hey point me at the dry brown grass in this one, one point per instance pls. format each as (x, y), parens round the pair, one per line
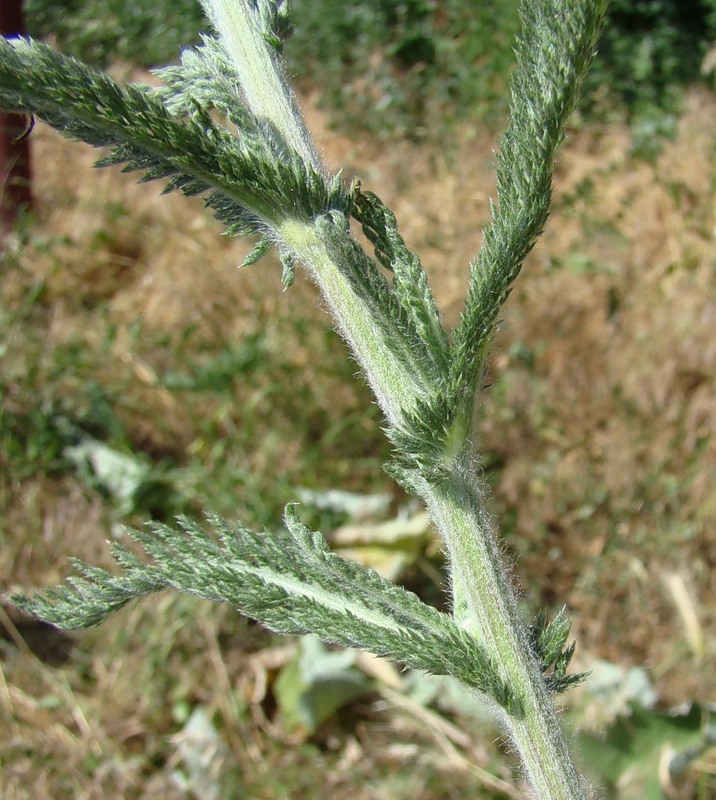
(600, 428)
(607, 438)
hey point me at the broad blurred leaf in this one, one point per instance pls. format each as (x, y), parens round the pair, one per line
(201, 753)
(129, 480)
(316, 684)
(627, 759)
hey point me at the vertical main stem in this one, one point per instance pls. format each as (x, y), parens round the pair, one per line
(486, 605)
(485, 602)
(260, 73)
(394, 385)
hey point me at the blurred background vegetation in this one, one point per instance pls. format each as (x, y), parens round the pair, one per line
(394, 67)
(144, 375)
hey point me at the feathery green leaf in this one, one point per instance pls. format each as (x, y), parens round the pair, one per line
(291, 582)
(257, 253)
(553, 56)
(205, 80)
(382, 303)
(249, 187)
(410, 281)
(548, 640)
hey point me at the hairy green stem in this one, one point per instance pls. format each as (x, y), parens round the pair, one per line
(486, 605)
(270, 98)
(260, 72)
(394, 385)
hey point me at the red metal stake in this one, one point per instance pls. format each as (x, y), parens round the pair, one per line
(15, 176)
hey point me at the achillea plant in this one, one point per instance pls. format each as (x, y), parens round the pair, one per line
(260, 174)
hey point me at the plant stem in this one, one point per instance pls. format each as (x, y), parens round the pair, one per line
(260, 72)
(485, 604)
(270, 98)
(484, 601)
(394, 386)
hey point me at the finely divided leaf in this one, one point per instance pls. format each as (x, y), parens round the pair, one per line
(410, 281)
(292, 583)
(553, 57)
(204, 76)
(248, 183)
(381, 302)
(548, 641)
